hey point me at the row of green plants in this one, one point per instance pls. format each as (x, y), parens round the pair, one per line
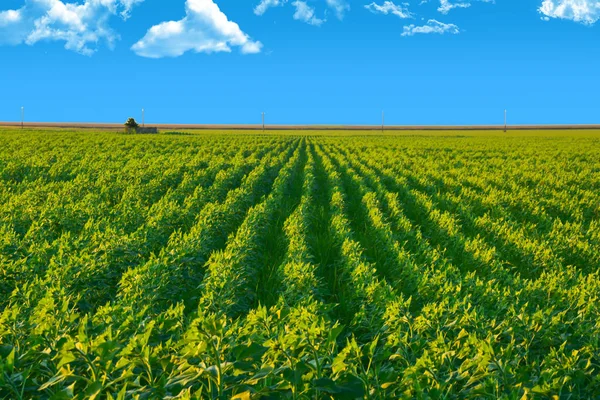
(246, 267)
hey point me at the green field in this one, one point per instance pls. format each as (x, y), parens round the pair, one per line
(301, 265)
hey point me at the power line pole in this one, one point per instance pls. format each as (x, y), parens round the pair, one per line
(143, 118)
(22, 117)
(505, 122)
(382, 120)
(263, 121)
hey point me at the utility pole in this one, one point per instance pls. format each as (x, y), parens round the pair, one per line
(143, 118)
(382, 120)
(505, 122)
(22, 117)
(263, 121)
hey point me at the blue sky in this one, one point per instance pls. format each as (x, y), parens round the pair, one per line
(311, 61)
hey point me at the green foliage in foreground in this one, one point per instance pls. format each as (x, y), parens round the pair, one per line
(265, 266)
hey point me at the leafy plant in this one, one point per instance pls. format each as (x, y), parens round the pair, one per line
(299, 267)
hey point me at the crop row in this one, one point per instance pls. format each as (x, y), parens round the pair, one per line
(294, 267)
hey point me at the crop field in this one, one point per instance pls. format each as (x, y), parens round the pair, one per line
(299, 266)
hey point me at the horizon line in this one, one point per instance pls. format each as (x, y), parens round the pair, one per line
(317, 127)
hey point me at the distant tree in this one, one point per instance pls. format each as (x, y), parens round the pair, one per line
(131, 125)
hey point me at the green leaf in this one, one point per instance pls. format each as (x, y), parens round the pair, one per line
(66, 359)
(334, 333)
(350, 388)
(339, 363)
(373, 346)
(247, 395)
(326, 385)
(93, 390)
(254, 351)
(463, 333)
(53, 381)
(263, 373)
(10, 361)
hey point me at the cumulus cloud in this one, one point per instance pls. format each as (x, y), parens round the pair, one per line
(204, 29)
(9, 17)
(389, 7)
(339, 7)
(583, 11)
(432, 26)
(80, 25)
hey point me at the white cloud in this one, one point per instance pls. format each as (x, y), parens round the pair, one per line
(204, 29)
(264, 5)
(446, 6)
(127, 6)
(339, 6)
(432, 26)
(12, 29)
(303, 11)
(79, 25)
(583, 11)
(389, 7)
(306, 13)
(10, 17)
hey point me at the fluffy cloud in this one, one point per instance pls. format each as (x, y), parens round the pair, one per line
(9, 17)
(204, 29)
(582, 11)
(389, 7)
(432, 26)
(79, 25)
(306, 13)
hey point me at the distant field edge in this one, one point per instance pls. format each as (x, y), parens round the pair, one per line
(110, 126)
